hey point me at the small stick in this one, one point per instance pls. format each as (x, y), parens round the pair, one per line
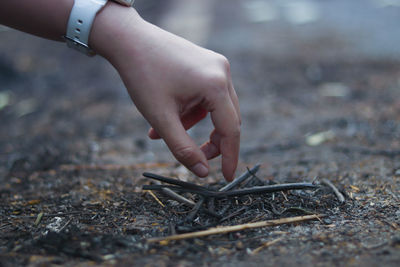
(266, 244)
(284, 195)
(290, 209)
(39, 218)
(339, 195)
(240, 179)
(178, 197)
(195, 210)
(186, 201)
(65, 226)
(156, 198)
(269, 189)
(174, 181)
(116, 226)
(52, 214)
(238, 192)
(5, 225)
(233, 214)
(235, 228)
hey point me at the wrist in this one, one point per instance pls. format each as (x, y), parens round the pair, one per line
(113, 29)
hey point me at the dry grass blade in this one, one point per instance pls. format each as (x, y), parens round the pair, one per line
(38, 218)
(235, 228)
(155, 198)
(266, 244)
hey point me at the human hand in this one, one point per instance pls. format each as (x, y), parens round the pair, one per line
(174, 84)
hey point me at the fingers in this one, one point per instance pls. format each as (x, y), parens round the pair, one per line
(211, 148)
(231, 90)
(188, 120)
(181, 145)
(235, 100)
(227, 125)
(153, 134)
(230, 143)
(222, 102)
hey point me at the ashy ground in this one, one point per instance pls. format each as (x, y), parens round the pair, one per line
(319, 87)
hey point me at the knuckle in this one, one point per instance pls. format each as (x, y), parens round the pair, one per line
(185, 154)
(218, 82)
(225, 63)
(236, 131)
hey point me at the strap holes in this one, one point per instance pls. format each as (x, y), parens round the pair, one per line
(78, 30)
(80, 21)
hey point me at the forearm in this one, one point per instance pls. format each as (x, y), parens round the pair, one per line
(49, 18)
(44, 18)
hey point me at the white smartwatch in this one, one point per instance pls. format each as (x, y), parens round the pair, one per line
(80, 23)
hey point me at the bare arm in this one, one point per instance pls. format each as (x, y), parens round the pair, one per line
(173, 82)
(43, 18)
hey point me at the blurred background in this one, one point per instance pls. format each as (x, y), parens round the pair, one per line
(307, 72)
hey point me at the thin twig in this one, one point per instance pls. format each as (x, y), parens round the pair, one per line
(195, 210)
(186, 201)
(116, 226)
(156, 198)
(65, 226)
(240, 179)
(284, 195)
(178, 197)
(334, 189)
(174, 181)
(52, 214)
(266, 244)
(38, 218)
(238, 192)
(276, 212)
(5, 225)
(233, 214)
(235, 228)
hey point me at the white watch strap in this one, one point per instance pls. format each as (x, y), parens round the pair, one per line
(80, 23)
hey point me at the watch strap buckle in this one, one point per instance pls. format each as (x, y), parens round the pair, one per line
(77, 45)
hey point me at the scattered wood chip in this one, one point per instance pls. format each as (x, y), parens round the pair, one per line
(355, 188)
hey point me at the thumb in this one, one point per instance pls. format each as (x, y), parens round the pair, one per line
(182, 145)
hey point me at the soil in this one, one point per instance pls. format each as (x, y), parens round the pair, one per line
(73, 150)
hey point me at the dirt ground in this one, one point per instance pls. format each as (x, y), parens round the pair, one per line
(73, 149)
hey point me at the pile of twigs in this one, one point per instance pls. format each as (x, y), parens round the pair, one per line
(208, 197)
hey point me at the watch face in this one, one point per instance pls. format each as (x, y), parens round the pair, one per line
(125, 2)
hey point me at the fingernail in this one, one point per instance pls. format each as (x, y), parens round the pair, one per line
(200, 170)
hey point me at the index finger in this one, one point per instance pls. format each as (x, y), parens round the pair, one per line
(227, 124)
